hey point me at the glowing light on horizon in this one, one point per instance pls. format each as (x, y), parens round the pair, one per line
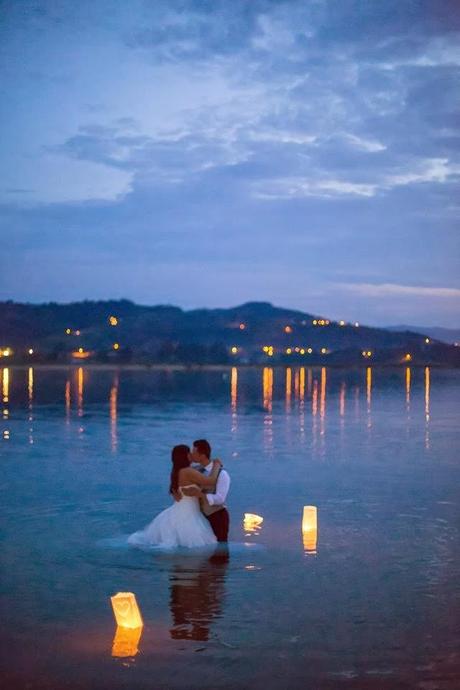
(113, 321)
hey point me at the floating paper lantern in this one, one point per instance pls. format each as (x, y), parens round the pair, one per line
(126, 641)
(310, 528)
(126, 610)
(252, 522)
(310, 518)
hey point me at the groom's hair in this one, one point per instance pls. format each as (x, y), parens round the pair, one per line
(203, 447)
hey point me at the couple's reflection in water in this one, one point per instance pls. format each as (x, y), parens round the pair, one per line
(197, 585)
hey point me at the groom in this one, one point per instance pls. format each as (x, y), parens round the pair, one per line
(212, 504)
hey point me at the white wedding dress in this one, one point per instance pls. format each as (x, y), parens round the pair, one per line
(182, 524)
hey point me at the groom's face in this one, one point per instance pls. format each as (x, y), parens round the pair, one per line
(198, 457)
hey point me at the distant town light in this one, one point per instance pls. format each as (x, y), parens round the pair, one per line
(7, 352)
(408, 357)
(302, 351)
(287, 329)
(297, 349)
(234, 350)
(116, 346)
(289, 351)
(265, 348)
(77, 332)
(31, 352)
(427, 340)
(310, 350)
(68, 331)
(81, 353)
(242, 326)
(341, 323)
(357, 324)
(323, 350)
(366, 353)
(315, 322)
(113, 321)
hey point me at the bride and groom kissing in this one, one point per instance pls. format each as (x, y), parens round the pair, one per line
(198, 516)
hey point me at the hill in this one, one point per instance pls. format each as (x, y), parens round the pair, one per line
(255, 332)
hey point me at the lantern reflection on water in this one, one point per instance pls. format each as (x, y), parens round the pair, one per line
(252, 522)
(126, 641)
(310, 528)
(126, 610)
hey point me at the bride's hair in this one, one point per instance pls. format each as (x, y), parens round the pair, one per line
(179, 459)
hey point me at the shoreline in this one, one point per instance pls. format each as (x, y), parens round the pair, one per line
(216, 367)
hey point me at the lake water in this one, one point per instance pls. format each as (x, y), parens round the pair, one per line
(372, 600)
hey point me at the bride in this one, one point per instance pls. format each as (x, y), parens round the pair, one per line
(183, 523)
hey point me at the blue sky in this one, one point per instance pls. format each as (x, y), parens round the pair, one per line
(206, 153)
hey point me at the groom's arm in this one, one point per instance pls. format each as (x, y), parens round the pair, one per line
(222, 487)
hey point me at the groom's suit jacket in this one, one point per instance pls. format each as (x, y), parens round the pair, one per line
(216, 497)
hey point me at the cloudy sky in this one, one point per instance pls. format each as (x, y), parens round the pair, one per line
(210, 152)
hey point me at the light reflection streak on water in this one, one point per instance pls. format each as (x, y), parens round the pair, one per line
(357, 402)
(80, 389)
(342, 414)
(30, 390)
(427, 408)
(408, 383)
(314, 410)
(296, 384)
(267, 384)
(234, 398)
(309, 381)
(5, 397)
(114, 413)
(322, 403)
(302, 403)
(369, 395)
(67, 401)
(288, 389)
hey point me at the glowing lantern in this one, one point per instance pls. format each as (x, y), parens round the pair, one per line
(310, 528)
(126, 610)
(252, 522)
(125, 642)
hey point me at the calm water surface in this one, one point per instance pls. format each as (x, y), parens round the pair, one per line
(374, 603)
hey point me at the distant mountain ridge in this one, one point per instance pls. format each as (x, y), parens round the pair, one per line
(254, 332)
(445, 335)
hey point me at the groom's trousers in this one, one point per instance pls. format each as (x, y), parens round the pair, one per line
(220, 522)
